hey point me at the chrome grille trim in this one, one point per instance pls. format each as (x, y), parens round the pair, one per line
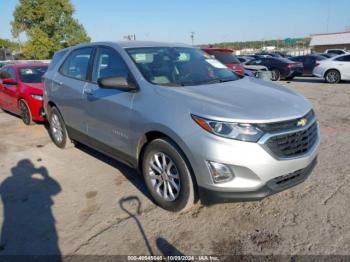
(311, 131)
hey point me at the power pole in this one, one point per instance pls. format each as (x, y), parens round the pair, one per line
(192, 37)
(328, 15)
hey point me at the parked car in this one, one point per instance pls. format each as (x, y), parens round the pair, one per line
(21, 91)
(329, 55)
(257, 71)
(334, 70)
(309, 62)
(281, 68)
(225, 56)
(189, 124)
(336, 51)
(245, 59)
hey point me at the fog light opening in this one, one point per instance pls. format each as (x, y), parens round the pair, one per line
(220, 172)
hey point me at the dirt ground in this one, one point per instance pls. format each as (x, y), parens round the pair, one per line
(78, 201)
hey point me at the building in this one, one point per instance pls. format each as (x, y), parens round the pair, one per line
(321, 42)
(5, 54)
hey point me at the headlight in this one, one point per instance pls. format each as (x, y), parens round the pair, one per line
(37, 97)
(238, 131)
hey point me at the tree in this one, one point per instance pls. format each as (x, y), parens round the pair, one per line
(8, 44)
(49, 26)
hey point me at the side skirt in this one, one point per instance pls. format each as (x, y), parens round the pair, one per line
(102, 147)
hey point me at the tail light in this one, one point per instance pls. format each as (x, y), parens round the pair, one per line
(295, 65)
(317, 64)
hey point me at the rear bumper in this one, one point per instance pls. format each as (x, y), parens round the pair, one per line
(318, 72)
(273, 186)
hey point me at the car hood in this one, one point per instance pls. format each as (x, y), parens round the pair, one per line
(246, 100)
(38, 87)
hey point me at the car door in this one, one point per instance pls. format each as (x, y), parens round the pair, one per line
(67, 88)
(108, 110)
(10, 92)
(309, 64)
(343, 64)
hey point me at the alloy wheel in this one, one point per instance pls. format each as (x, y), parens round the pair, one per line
(56, 128)
(164, 176)
(333, 77)
(25, 114)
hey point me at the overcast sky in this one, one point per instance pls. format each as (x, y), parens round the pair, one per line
(212, 21)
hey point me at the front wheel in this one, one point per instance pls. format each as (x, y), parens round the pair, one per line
(26, 115)
(332, 77)
(58, 131)
(167, 176)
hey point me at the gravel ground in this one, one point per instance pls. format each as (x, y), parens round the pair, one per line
(78, 201)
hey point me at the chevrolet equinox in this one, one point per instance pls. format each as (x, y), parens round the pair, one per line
(191, 126)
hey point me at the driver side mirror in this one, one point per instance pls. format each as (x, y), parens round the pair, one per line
(9, 81)
(121, 83)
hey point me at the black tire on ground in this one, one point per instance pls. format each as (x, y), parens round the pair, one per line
(185, 197)
(332, 76)
(26, 115)
(276, 75)
(57, 130)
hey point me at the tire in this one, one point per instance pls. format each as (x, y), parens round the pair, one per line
(276, 75)
(161, 179)
(332, 76)
(58, 131)
(26, 114)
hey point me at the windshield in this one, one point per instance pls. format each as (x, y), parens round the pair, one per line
(179, 66)
(32, 74)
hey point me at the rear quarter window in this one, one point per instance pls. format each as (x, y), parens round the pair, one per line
(56, 59)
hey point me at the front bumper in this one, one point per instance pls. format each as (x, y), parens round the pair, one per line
(273, 186)
(254, 167)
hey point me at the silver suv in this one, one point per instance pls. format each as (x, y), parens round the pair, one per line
(189, 124)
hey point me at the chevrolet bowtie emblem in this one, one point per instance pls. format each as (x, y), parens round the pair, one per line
(302, 122)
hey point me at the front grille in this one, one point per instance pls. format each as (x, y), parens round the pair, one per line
(293, 144)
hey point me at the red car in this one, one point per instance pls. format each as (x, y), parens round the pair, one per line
(225, 56)
(21, 91)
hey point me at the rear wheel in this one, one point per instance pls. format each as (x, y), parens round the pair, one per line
(333, 76)
(276, 75)
(26, 115)
(58, 131)
(167, 176)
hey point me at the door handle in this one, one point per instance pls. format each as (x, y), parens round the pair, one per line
(88, 92)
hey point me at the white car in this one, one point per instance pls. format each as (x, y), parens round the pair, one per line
(336, 51)
(334, 69)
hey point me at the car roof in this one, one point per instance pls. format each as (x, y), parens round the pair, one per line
(21, 65)
(134, 44)
(217, 49)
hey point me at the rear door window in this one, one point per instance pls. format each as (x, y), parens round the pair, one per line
(77, 64)
(344, 58)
